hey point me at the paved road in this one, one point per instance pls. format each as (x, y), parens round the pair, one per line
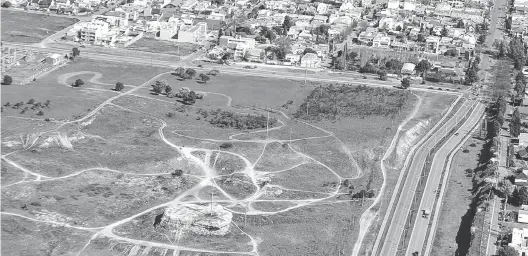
(420, 229)
(388, 245)
(125, 56)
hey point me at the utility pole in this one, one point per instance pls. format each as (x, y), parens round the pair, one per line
(267, 125)
(212, 193)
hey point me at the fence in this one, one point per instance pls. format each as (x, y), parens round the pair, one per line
(44, 70)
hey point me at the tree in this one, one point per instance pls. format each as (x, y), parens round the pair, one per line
(40, 113)
(471, 77)
(444, 32)
(515, 124)
(406, 83)
(421, 38)
(286, 24)
(423, 66)
(159, 86)
(177, 173)
(76, 52)
(119, 86)
(180, 71)
(506, 187)
(213, 72)
(502, 49)
(168, 89)
(191, 72)
(481, 39)
(78, 83)
(189, 97)
(460, 23)
(507, 251)
(6, 4)
(7, 80)
(398, 28)
(308, 50)
(520, 195)
(382, 75)
(204, 78)
(31, 101)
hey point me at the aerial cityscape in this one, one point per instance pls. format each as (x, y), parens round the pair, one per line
(264, 127)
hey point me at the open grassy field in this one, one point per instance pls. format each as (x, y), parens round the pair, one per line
(166, 47)
(26, 27)
(123, 164)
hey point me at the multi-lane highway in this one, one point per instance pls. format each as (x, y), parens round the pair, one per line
(394, 223)
(420, 233)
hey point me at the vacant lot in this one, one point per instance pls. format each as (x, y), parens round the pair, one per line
(166, 47)
(148, 150)
(45, 238)
(26, 27)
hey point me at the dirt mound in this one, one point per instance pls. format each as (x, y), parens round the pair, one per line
(198, 219)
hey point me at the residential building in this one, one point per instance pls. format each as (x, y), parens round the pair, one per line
(310, 60)
(196, 34)
(94, 31)
(169, 30)
(523, 214)
(255, 55)
(54, 59)
(381, 41)
(293, 59)
(408, 69)
(226, 40)
(393, 4)
(432, 43)
(322, 8)
(520, 178)
(519, 240)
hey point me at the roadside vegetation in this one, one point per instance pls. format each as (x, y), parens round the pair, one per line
(487, 180)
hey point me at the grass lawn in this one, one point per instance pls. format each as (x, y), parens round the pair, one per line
(26, 27)
(61, 95)
(457, 198)
(161, 46)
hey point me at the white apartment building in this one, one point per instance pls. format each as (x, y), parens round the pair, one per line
(519, 240)
(310, 60)
(226, 40)
(193, 34)
(94, 31)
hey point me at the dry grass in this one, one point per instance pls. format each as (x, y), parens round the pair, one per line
(16, 232)
(308, 177)
(26, 27)
(95, 198)
(310, 230)
(166, 47)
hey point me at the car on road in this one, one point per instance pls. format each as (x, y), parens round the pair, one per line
(426, 213)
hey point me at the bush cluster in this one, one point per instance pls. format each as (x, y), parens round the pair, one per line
(348, 101)
(227, 119)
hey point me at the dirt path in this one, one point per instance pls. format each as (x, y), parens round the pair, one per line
(369, 215)
(210, 173)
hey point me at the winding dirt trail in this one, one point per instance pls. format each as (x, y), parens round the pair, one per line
(369, 215)
(210, 173)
